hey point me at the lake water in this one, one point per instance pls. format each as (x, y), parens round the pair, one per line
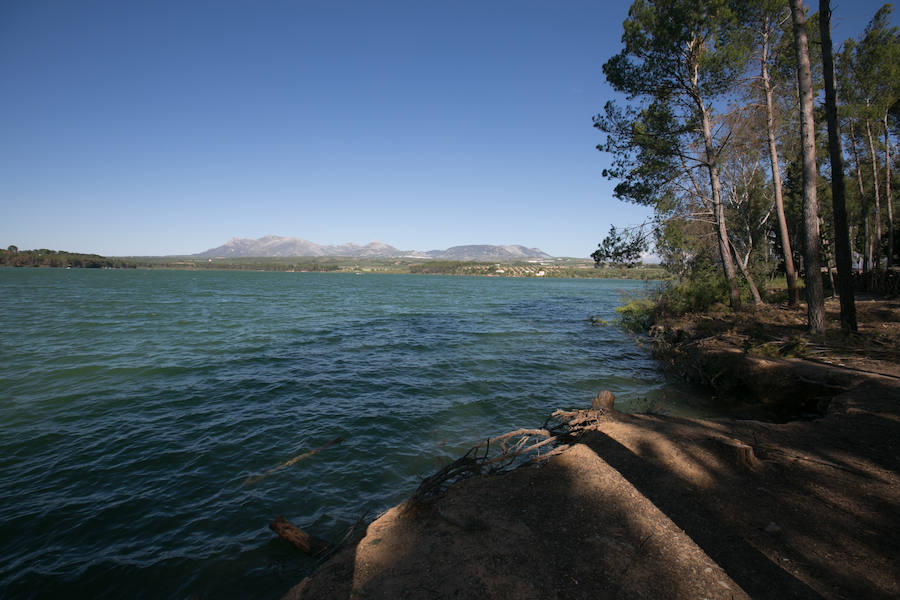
(134, 405)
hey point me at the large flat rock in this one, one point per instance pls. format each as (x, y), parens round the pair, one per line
(573, 528)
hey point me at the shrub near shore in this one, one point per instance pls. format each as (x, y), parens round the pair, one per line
(701, 292)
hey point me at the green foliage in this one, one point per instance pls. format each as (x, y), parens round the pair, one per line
(706, 290)
(698, 294)
(658, 33)
(683, 243)
(874, 67)
(680, 59)
(620, 248)
(13, 257)
(453, 267)
(638, 315)
(680, 64)
(678, 54)
(703, 289)
(644, 149)
(795, 347)
(767, 350)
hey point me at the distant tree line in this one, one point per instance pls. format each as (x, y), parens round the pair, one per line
(452, 267)
(241, 264)
(740, 126)
(13, 257)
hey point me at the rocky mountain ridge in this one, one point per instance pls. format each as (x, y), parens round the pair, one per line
(274, 245)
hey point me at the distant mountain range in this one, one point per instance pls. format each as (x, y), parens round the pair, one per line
(274, 245)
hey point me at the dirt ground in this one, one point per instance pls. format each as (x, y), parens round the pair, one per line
(779, 331)
(654, 506)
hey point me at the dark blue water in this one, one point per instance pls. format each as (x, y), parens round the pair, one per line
(136, 404)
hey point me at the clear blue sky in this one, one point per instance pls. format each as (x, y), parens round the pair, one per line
(157, 127)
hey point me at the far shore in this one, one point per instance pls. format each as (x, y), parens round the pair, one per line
(554, 268)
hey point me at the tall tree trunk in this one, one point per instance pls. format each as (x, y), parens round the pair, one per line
(815, 294)
(842, 257)
(888, 193)
(791, 273)
(863, 204)
(877, 253)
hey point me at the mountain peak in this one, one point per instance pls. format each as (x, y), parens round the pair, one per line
(279, 246)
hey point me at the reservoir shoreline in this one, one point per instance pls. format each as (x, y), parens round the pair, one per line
(718, 508)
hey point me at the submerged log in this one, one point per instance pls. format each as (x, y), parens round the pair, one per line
(253, 479)
(298, 538)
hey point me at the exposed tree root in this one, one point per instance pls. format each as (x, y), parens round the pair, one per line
(511, 450)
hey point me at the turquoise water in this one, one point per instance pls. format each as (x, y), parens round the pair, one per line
(135, 405)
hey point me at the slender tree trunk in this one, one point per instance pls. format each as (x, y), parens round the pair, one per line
(863, 204)
(877, 253)
(888, 193)
(719, 210)
(790, 272)
(716, 187)
(830, 277)
(867, 261)
(842, 256)
(815, 295)
(745, 271)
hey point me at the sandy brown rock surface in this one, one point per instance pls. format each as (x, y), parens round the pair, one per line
(574, 528)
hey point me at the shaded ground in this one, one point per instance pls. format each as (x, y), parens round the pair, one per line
(779, 331)
(653, 506)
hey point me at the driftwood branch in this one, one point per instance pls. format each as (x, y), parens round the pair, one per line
(512, 450)
(571, 424)
(478, 460)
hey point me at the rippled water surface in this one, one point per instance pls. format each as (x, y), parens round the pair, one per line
(134, 405)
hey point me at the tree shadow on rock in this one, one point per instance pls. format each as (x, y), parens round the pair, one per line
(573, 528)
(817, 517)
